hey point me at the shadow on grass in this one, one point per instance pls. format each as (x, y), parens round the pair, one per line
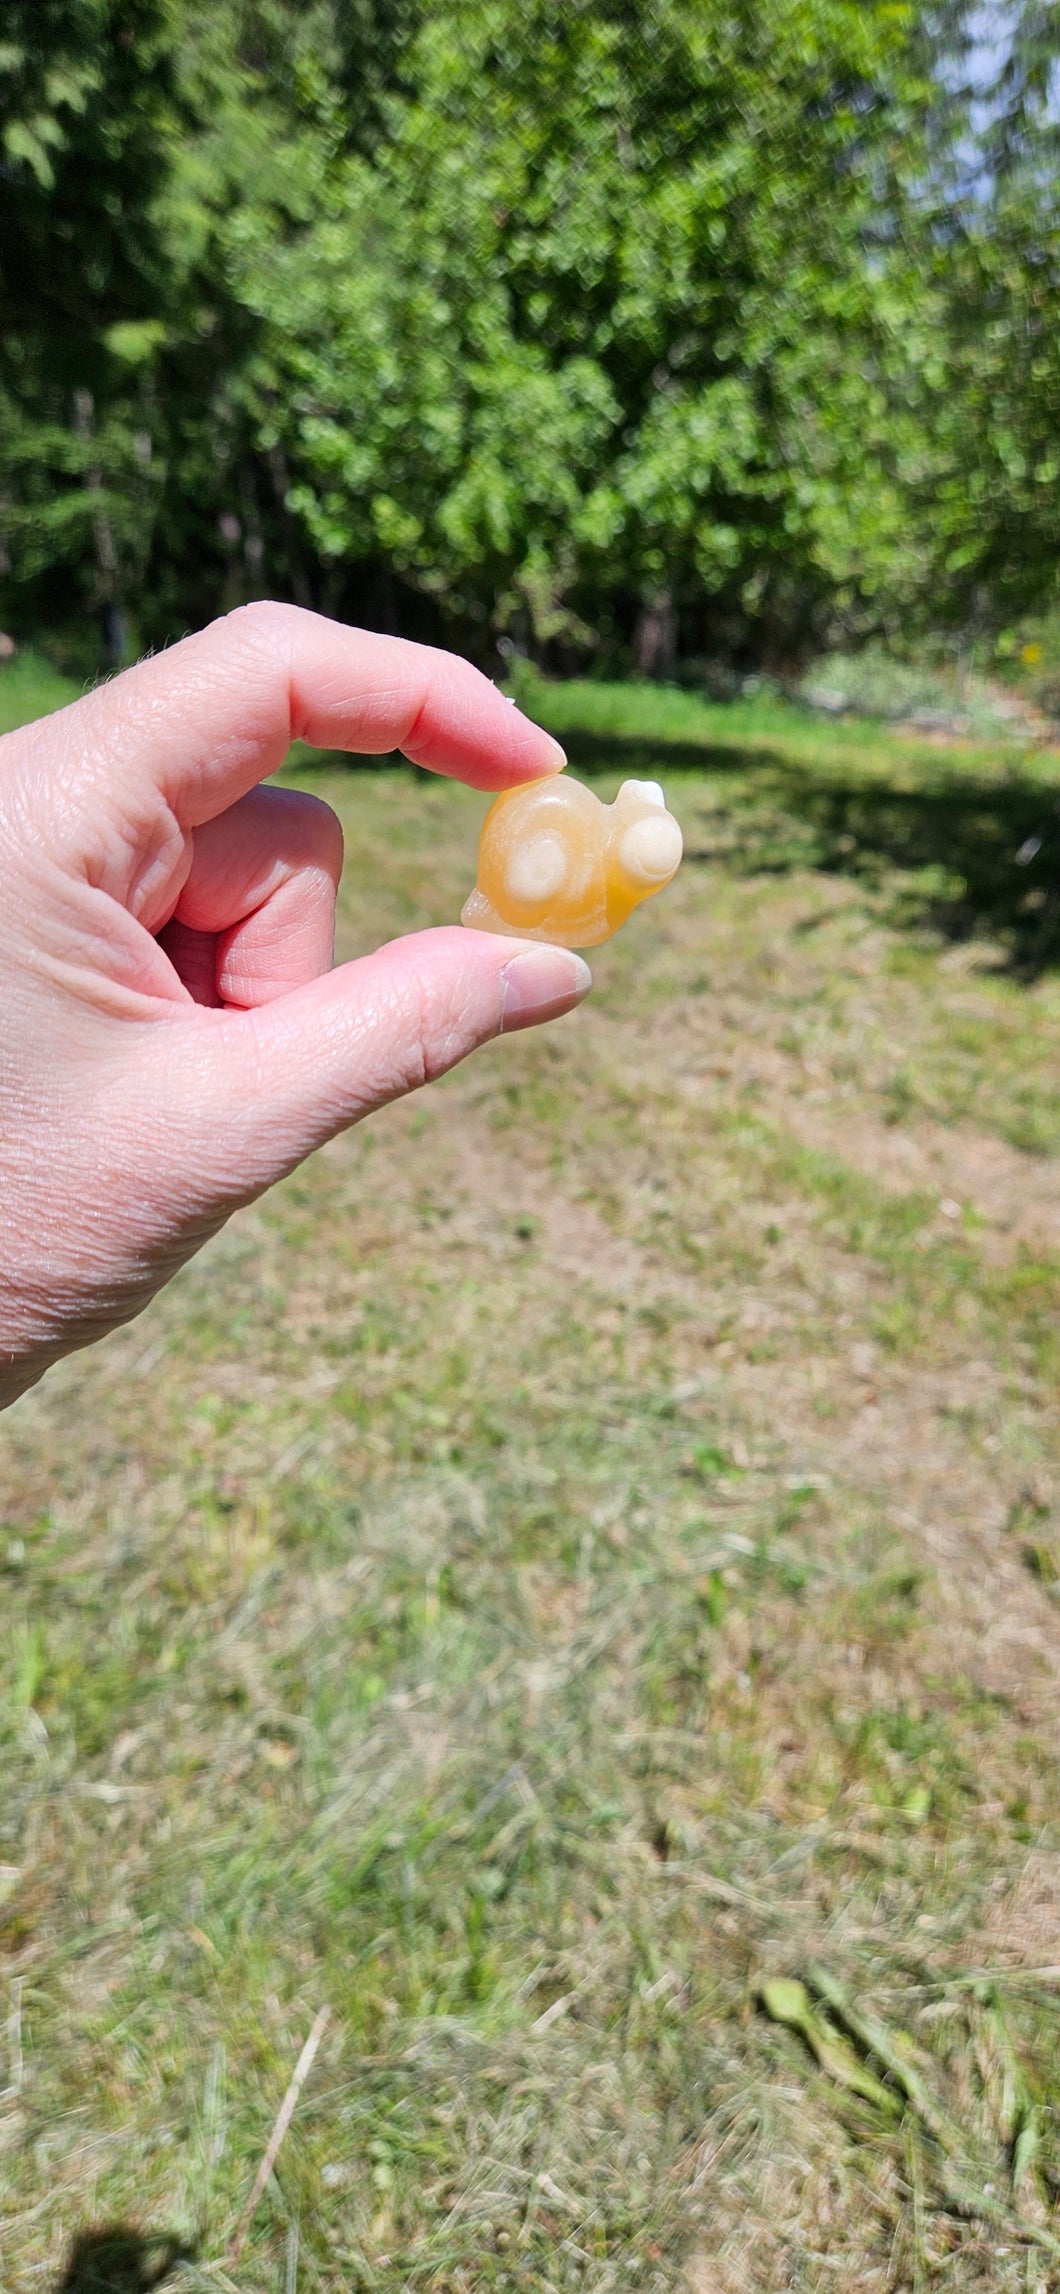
(976, 859)
(119, 2260)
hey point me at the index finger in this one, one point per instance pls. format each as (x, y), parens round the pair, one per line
(200, 725)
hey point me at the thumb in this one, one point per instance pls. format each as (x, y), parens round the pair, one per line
(260, 1089)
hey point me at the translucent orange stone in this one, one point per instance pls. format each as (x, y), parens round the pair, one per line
(554, 863)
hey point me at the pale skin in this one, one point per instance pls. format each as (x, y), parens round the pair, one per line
(173, 1038)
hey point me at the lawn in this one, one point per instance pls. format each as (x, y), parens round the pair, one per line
(569, 1584)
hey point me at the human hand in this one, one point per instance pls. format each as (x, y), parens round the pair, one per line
(172, 1038)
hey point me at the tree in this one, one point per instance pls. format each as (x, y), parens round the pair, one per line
(86, 105)
(131, 133)
(997, 417)
(608, 330)
(625, 327)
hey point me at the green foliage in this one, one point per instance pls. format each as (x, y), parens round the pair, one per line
(601, 324)
(672, 328)
(86, 110)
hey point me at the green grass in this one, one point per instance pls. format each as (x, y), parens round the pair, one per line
(29, 687)
(584, 1548)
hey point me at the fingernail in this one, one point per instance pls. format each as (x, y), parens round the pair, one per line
(557, 757)
(540, 985)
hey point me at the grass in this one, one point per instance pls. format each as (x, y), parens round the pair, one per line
(579, 1556)
(29, 687)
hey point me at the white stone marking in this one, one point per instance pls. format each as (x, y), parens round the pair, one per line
(537, 869)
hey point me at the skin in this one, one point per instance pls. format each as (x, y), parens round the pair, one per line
(173, 1038)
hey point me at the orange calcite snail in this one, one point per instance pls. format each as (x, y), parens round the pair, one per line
(554, 863)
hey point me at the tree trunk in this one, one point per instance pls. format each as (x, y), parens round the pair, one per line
(113, 621)
(253, 538)
(281, 486)
(655, 637)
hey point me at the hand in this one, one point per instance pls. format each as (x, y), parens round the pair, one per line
(172, 1038)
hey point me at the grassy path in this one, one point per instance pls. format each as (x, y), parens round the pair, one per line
(584, 1549)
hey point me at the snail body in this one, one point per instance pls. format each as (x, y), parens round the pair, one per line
(555, 863)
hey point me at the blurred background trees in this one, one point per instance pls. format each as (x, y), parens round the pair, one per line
(613, 329)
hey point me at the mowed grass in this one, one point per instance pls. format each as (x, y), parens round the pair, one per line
(585, 1548)
(29, 687)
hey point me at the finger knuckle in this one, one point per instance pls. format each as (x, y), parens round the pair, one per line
(324, 834)
(433, 1037)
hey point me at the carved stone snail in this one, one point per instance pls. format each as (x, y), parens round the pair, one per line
(554, 863)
